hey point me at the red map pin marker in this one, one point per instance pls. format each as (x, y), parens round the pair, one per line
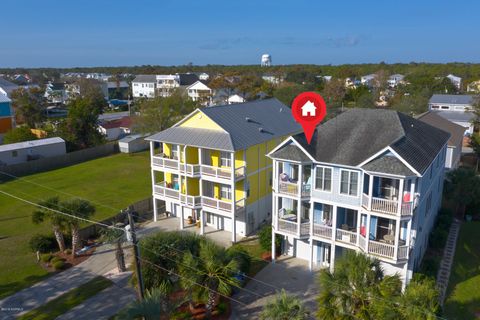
(309, 109)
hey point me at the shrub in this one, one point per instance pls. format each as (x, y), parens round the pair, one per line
(46, 257)
(55, 259)
(58, 265)
(68, 251)
(265, 239)
(430, 266)
(242, 256)
(42, 243)
(438, 238)
(444, 219)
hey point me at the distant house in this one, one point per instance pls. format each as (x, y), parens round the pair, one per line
(395, 79)
(457, 81)
(199, 91)
(6, 115)
(143, 86)
(455, 108)
(273, 79)
(350, 83)
(203, 76)
(56, 93)
(133, 143)
(454, 145)
(20, 152)
(368, 80)
(116, 129)
(236, 98)
(6, 87)
(326, 78)
(474, 87)
(118, 90)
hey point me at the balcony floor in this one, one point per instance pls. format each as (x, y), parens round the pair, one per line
(221, 237)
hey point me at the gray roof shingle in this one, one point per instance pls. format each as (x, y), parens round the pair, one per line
(246, 124)
(357, 134)
(456, 131)
(290, 152)
(451, 99)
(145, 78)
(388, 164)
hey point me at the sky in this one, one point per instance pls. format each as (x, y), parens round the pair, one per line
(92, 33)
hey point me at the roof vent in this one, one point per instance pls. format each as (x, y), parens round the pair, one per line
(281, 109)
(261, 130)
(248, 119)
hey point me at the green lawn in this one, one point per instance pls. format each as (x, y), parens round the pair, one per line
(114, 181)
(463, 300)
(255, 250)
(67, 301)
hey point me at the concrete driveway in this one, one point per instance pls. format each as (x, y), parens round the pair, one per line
(288, 273)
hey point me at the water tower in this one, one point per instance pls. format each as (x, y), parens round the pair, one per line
(266, 60)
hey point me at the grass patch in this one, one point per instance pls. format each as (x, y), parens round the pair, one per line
(463, 299)
(67, 301)
(115, 181)
(255, 250)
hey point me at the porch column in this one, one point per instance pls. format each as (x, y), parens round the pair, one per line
(273, 247)
(359, 217)
(397, 237)
(409, 237)
(274, 212)
(155, 209)
(310, 218)
(334, 224)
(152, 150)
(332, 257)
(153, 195)
(370, 191)
(234, 209)
(202, 222)
(367, 240)
(181, 218)
(400, 197)
(299, 197)
(300, 178)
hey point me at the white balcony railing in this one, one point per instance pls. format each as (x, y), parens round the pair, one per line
(160, 160)
(287, 226)
(346, 236)
(217, 172)
(388, 206)
(305, 228)
(240, 172)
(402, 252)
(221, 205)
(321, 230)
(381, 249)
(162, 190)
(189, 169)
(192, 201)
(362, 242)
(291, 188)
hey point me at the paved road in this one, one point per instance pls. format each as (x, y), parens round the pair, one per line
(289, 273)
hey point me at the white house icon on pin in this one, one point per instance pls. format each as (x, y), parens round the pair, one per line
(308, 109)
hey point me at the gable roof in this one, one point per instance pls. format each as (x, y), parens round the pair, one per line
(187, 79)
(244, 125)
(452, 99)
(358, 134)
(388, 164)
(30, 144)
(7, 84)
(125, 122)
(145, 78)
(456, 131)
(199, 84)
(290, 152)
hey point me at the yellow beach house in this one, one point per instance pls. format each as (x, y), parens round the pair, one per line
(211, 168)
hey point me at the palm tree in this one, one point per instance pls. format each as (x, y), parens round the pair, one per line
(463, 186)
(155, 305)
(356, 289)
(420, 300)
(210, 275)
(284, 307)
(116, 236)
(57, 221)
(79, 208)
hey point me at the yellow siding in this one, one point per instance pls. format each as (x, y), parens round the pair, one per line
(239, 162)
(262, 188)
(215, 158)
(192, 155)
(168, 177)
(167, 149)
(216, 191)
(253, 181)
(239, 192)
(201, 121)
(193, 187)
(252, 159)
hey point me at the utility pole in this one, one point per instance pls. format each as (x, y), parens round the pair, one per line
(141, 287)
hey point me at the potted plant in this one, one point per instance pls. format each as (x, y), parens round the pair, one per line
(190, 220)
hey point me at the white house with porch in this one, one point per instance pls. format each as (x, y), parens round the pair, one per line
(370, 181)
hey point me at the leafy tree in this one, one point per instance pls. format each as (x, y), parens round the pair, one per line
(116, 236)
(29, 105)
(353, 94)
(162, 112)
(463, 186)
(265, 239)
(19, 134)
(366, 100)
(213, 270)
(81, 209)
(411, 104)
(334, 92)
(284, 307)
(286, 93)
(420, 300)
(250, 85)
(56, 220)
(474, 144)
(80, 127)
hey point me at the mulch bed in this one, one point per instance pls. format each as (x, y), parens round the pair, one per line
(198, 312)
(69, 260)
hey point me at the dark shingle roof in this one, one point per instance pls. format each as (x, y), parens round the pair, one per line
(456, 131)
(357, 134)
(7, 84)
(452, 99)
(246, 124)
(388, 164)
(457, 116)
(290, 152)
(187, 79)
(145, 78)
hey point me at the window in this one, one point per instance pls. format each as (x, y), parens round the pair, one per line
(225, 192)
(14, 153)
(349, 182)
(175, 151)
(324, 179)
(225, 160)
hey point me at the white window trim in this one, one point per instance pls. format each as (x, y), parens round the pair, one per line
(331, 179)
(227, 158)
(228, 192)
(340, 183)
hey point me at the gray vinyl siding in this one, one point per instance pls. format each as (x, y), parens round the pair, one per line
(334, 195)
